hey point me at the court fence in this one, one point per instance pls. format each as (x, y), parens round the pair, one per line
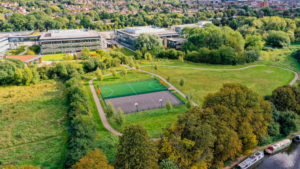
(137, 93)
(131, 81)
(150, 108)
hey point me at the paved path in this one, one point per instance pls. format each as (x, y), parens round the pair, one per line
(100, 109)
(291, 83)
(26, 49)
(109, 128)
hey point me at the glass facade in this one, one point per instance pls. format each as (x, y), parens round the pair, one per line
(23, 39)
(69, 46)
(125, 40)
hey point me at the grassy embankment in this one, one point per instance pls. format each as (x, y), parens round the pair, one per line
(32, 124)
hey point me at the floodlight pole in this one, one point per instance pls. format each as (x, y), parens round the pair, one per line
(137, 108)
(160, 103)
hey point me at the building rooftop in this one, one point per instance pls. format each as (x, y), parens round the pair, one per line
(4, 34)
(136, 31)
(177, 39)
(25, 58)
(199, 24)
(68, 34)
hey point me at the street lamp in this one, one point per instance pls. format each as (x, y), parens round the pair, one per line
(136, 105)
(160, 100)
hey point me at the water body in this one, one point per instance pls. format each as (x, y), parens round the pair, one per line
(288, 158)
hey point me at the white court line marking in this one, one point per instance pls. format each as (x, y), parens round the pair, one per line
(152, 86)
(131, 88)
(112, 92)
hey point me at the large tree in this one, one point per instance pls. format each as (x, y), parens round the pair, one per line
(286, 98)
(147, 40)
(135, 149)
(93, 160)
(240, 113)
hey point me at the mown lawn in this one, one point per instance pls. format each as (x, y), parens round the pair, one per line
(152, 120)
(53, 57)
(261, 79)
(127, 52)
(33, 127)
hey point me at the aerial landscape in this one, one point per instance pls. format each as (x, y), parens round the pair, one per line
(149, 84)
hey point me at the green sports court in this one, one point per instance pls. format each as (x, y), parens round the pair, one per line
(131, 88)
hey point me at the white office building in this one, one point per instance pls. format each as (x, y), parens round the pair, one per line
(4, 44)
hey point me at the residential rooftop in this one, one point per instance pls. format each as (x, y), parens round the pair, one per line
(69, 34)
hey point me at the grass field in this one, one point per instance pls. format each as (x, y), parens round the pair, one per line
(262, 79)
(55, 57)
(131, 88)
(32, 124)
(152, 120)
(127, 52)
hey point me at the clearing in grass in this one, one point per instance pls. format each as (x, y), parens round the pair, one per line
(32, 125)
(131, 88)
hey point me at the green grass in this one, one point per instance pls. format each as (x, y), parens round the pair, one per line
(21, 49)
(53, 57)
(131, 88)
(262, 79)
(35, 48)
(32, 124)
(152, 120)
(172, 62)
(127, 52)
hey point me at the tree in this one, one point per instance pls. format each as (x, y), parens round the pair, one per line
(254, 42)
(75, 57)
(287, 122)
(274, 129)
(137, 66)
(99, 74)
(94, 159)
(182, 81)
(138, 54)
(110, 110)
(147, 40)
(135, 149)
(124, 72)
(168, 164)
(278, 39)
(27, 76)
(286, 98)
(18, 76)
(85, 53)
(22, 167)
(155, 67)
(189, 103)
(147, 56)
(119, 117)
(35, 76)
(168, 105)
(114, 73)
(240, 113)
(131, 63)
(82, 134)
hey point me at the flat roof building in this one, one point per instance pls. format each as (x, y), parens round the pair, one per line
(4, 44)
(126, 36)
(178, 28)
(69, 41)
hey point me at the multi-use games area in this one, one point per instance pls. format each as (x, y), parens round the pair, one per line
(138, 96)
